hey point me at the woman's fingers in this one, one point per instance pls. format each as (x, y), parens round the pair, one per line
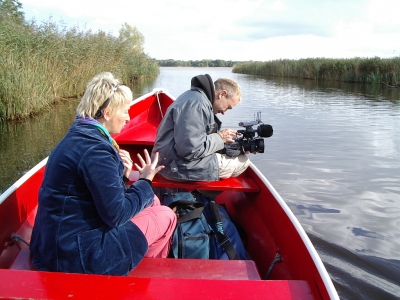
(147, 156)
(148, 168)
(126, 161)
(142, 162)
(155, 161)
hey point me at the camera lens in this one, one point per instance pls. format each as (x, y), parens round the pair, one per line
(260, 145)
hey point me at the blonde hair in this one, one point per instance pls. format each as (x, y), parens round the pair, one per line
(103, 87)
(231, 86)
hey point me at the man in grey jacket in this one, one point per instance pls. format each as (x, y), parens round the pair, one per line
(189, 135)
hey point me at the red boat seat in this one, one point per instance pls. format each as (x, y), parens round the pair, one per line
(174, 268)
(237, 184)
(196, 269)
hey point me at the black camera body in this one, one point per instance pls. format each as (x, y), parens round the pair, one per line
(248, 141)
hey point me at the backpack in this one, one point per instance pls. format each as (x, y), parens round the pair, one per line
(204, 229)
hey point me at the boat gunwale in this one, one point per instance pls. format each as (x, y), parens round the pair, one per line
(300, 230)
(155, 91)
(22, 180)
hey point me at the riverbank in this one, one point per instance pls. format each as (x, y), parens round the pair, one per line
(364, 70)
(43, 64)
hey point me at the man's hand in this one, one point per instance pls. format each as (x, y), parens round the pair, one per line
(228, 135)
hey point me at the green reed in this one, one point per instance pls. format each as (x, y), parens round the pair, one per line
(42, 64)
(373, 70)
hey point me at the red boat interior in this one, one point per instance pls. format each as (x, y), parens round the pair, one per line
(267, 231)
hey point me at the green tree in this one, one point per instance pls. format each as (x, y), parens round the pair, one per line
(12, 9)
(132, 36)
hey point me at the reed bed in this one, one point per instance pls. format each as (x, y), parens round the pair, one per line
(42, 64)
(373, 70)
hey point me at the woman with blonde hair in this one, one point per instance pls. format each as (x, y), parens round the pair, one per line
(88, 221)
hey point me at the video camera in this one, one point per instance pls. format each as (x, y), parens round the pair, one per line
(248, 141)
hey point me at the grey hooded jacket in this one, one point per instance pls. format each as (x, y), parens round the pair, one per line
(187, 137)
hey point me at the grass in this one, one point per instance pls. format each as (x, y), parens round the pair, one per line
(368, 70)
(43, 64)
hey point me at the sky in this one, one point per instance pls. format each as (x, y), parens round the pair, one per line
(239, 30)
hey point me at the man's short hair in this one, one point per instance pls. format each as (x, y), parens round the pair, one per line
(231, 86)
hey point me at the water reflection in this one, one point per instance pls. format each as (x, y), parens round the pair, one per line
(308, 211)
(357, 275)
(25, 143)
(375, 92)
(366, 233)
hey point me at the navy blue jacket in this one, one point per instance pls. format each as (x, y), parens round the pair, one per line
(83, 219)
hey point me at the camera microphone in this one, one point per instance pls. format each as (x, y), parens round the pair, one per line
(265, 130)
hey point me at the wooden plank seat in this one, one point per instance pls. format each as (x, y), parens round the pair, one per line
(237, 184)
(174, 268)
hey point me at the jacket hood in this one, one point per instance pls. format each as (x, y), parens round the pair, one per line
(205, 83)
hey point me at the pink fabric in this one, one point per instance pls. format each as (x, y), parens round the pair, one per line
(157, 222)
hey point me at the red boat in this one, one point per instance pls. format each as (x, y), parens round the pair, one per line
(284, 264)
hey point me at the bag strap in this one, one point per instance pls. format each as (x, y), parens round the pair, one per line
(220, 234)
(196, 207)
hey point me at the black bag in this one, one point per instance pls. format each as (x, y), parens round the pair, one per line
(204, 229)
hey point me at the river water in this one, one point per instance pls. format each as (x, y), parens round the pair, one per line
(334, 158)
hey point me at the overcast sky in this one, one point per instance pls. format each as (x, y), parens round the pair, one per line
(239, 30)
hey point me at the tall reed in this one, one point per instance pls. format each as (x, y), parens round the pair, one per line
(41, 64)
(370, 70)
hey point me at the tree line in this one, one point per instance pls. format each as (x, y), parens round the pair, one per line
(204, 63)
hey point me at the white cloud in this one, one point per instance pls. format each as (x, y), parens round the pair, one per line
(240, 29)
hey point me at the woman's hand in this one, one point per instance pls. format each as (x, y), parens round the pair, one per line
(148, 168)
(127, 162)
